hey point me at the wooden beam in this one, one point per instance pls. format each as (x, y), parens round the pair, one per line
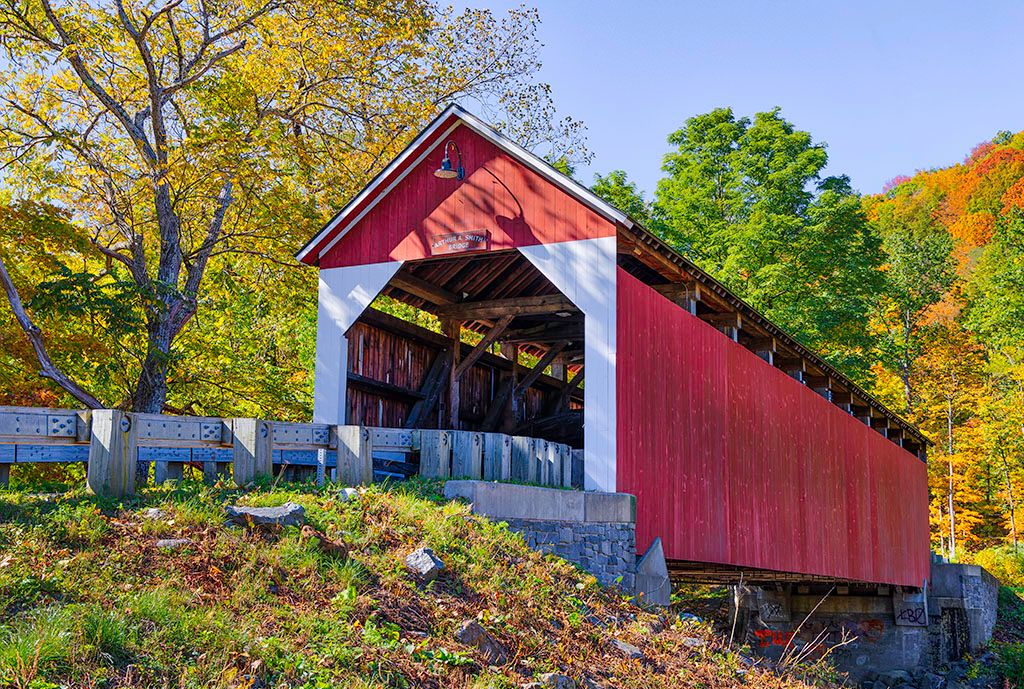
(723, 320)
(382, 388)
(521, 306)
(419, 287)
(548, 332)
(430, 389)
(686, 294)
(481, 347)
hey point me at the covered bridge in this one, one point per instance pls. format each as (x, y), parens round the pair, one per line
(538, 309)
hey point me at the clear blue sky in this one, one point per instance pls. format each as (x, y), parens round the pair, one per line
(892, 87)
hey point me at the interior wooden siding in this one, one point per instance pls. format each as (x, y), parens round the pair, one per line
(394, 358)
(734, 462)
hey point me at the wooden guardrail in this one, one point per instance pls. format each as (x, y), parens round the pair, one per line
(113, 442)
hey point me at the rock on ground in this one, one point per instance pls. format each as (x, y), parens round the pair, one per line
(288, 514)
(628, 650)
(472, 634)
(424, 564)
(173, 543)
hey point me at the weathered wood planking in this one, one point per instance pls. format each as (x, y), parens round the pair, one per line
(161, 430)
(43, 426)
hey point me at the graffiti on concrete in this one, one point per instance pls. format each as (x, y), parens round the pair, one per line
(912, 616)
(771, 637)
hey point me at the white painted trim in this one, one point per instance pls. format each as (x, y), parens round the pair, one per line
(532, 161)
(343, 295)
(584, 271)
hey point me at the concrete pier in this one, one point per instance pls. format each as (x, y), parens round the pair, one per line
(872, 630)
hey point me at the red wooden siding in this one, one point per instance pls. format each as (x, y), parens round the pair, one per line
(499, 194)
(734, 462)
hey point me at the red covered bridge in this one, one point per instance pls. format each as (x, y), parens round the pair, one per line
(746, 451)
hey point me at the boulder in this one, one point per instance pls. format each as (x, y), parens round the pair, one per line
(694, 642)
(472, 634)
(288, 514)
(154, 514)
(894, 678)
(628, 650)
(424, 564)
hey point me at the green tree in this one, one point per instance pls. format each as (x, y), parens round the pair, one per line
(746, 199)
(919, 270)
(616, 189)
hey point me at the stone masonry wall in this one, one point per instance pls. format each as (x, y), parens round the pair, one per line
(606, 550)
(596, 531)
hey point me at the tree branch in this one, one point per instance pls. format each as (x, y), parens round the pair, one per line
(35, 336)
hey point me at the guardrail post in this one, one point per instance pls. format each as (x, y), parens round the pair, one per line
(251, 443)
(467, 454)
(497, 457)
(112, 453)
(355, 455)
(435, 453)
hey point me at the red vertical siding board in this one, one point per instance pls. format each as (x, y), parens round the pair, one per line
(733, 462)
(499, 194)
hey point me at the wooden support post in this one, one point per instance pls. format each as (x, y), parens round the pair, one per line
(251, 443)
(167, 471)
(453, 329)
(497, 457)
(112, 453)
(467, 454)
(435, 454)
(5, 475)
(355, 455)
(566, 394)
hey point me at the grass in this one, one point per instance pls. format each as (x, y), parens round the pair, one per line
(88, 600)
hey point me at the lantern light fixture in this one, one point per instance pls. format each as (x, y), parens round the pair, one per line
(446, 171)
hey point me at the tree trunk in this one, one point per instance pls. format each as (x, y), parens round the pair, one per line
(1009, 499)
(949, 452)
(151, 389)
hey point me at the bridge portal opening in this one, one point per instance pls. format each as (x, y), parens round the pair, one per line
(474, 342)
